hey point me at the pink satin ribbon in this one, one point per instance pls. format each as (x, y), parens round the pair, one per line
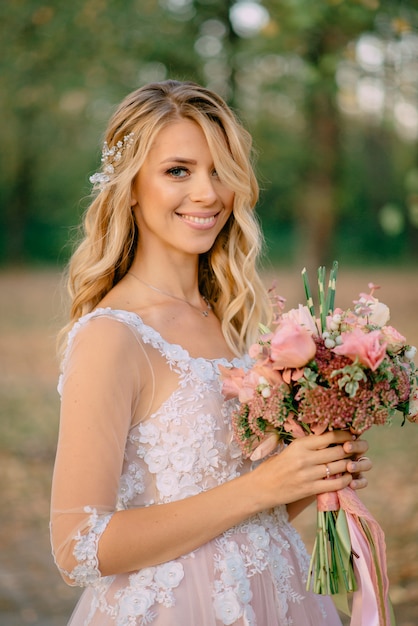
(371, 605)
(328, 501)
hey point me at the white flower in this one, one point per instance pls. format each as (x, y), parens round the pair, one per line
(85, 575)
(259, 538)
(233, 565)
(175, 352)
(169, 575)
(209, 454)
(244, 591)
(188, 486)
(183, 459)
(143, 578)
(167, 483)
(227, 607)
(410, 353)
(136, 603)
(379, 313)
(202, 368)
(85, 549)
(126, 488)
(156, 459)
(149, 433)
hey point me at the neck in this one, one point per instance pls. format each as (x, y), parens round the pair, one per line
(170, 294)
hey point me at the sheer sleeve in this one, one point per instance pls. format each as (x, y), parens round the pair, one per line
(100, 387)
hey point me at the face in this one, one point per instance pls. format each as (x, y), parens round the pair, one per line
(179, 201)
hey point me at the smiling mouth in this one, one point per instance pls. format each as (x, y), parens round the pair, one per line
(198, 220)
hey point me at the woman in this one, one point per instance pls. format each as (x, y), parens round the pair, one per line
(153, 507)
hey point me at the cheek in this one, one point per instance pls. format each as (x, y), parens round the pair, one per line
(228, 200)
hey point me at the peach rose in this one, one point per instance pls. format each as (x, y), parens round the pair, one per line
(232, 381)
(394, 339)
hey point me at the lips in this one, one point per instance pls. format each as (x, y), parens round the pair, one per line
(199, 220)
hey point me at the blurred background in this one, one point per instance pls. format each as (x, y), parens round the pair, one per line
(329, 91)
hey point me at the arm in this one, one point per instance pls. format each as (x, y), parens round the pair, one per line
(100, 390)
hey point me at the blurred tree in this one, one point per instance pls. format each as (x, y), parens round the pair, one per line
(293, 69)
(295, 88)
(61, 68)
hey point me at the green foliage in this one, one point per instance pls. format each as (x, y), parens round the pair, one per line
(64, 66)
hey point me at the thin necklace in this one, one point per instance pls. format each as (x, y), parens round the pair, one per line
(205, 313)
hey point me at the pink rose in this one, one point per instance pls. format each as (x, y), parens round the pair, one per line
(368, 348)
(292, 345)
(303, 317)
(258, 350)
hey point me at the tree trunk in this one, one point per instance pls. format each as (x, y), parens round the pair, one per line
(317, 208)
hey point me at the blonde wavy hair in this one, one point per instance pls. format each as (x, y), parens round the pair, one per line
(228, 274)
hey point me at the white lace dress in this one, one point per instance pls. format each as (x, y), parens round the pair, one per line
(253, 574)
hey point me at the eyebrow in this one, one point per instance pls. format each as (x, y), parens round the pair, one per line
(177, 159)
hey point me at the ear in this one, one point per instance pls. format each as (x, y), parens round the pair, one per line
(134, 200)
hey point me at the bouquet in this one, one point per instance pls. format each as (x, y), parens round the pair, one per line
(335, 370)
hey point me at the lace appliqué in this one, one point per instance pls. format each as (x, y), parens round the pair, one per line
(236, 564)
(85, 550)
(187, 462)
(131, 484)
(148, 586)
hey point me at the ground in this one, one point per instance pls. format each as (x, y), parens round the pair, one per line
(31, 312)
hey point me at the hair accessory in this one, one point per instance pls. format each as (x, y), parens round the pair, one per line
(110, 158)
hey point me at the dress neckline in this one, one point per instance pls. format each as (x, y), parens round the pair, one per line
(135, 317)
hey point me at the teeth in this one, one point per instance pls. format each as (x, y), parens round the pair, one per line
(198, 220)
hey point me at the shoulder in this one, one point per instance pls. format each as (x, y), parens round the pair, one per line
(104, 335)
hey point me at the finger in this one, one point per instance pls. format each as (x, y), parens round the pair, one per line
(359, 482)
(319, 442)
(363, 464)
(330, 470)
(336, 483)
(356, 447)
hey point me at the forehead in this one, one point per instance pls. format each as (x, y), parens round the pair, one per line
(179, 134)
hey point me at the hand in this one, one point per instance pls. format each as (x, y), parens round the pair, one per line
(298, 471)
(359, 463)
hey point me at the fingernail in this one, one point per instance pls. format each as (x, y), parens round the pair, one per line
(256, 455)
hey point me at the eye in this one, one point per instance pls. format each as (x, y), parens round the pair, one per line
(178, 172)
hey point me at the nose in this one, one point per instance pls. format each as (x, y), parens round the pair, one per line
(203, 189)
